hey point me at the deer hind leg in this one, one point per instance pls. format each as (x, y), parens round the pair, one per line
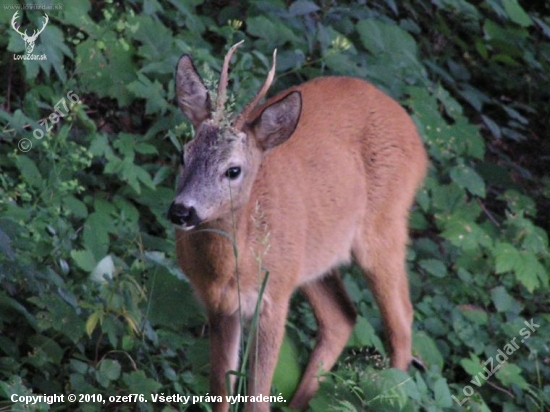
(381, 254)
(335, 314)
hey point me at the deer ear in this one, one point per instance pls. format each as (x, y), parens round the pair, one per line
(278, 121)
(192, 95)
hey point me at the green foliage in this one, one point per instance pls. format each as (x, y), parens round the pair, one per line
(91, 299)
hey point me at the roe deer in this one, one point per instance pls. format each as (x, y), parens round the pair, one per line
(319, 174)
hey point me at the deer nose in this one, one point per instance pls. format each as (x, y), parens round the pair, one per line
(180, 214)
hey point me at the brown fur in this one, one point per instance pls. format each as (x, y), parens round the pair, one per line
(338, 189)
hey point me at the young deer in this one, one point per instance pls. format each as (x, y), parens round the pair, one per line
(319, 174)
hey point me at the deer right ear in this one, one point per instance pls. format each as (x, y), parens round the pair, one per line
(192, 95)
(278, 121)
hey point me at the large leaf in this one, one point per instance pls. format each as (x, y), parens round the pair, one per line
(271, 30)
(425, 348)
(467, 178)
(105, 67)
(363, 334)
(138, 382)
(172, 302)
(394, 50)
(95, 234)
(29, 171)
(516, 13)
(287, 373)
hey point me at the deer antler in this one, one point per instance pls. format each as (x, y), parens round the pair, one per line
(13, 24)
(222, 86)
(239, 122)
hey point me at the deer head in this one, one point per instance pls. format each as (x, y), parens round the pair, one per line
(222, 160)
(29, 40)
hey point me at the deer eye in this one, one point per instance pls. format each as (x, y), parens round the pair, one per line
(233, 172)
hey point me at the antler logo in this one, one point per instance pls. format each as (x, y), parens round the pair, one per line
(29, 40)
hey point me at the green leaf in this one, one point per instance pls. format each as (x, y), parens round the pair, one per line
(502, 300)
(536, 240)
(516, 13)
(5, 245)
(15, 386)
(425, 348)
(507, 257)
(59, 315)
(127, 211)
(519, 203)
(383, 38)
(77, 14)
(287, 373)
(452, 107)
(271, 30)
(467, 139)
(461, 8)
(47, 347)
(301, 7)
(145, 178)
(467, 178)
(525, 264)
(145, 148)
(148, 30)
(137, 382)
(171, 301)
(466, 234)
(476, 315)
(29, 171)
(99, 145)
(106, 73)
(84, 259)
(95, 234)
(472, 365)
(109, 369)
(434, 267)
(386, 390)
(75, 206)
(442, 393)
(152, 92)
(343, 406)
(12, 310)
(448, 198)
(393, 54)
(509, 374)
(531, 273)
(363, 334)
(53, 46)
(130, 174)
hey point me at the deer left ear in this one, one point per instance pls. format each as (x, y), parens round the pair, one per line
(192, 95)
(278, 121)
